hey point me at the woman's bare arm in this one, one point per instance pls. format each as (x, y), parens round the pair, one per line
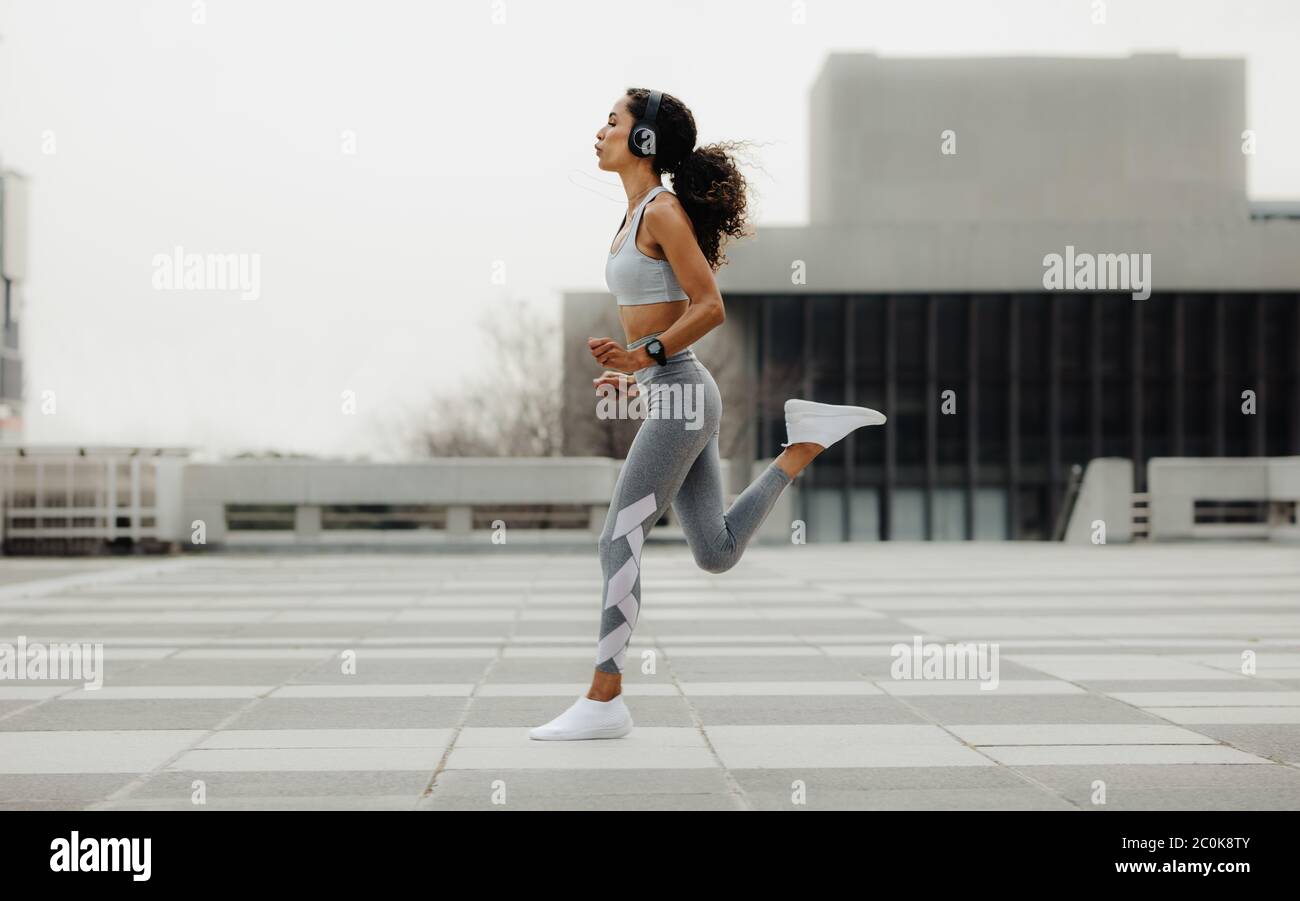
(671, 228)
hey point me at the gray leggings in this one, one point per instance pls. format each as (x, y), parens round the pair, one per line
(673, 460)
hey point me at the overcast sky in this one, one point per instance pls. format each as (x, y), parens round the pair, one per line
(141, 130)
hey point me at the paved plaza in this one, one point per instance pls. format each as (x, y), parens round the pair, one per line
(410, 680)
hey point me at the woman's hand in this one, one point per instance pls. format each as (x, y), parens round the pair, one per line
(620, 380)
(610, 354)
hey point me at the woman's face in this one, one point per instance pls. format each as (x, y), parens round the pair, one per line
(611, 141)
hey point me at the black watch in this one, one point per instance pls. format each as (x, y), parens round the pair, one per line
(655, 348)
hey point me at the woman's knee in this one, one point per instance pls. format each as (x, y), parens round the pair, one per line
(715, 559)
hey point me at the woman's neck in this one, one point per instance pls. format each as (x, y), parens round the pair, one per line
(635, 197)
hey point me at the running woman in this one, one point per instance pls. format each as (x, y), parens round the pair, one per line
(660, 270)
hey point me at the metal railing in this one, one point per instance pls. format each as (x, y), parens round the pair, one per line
(1141, 515)
(82, 500)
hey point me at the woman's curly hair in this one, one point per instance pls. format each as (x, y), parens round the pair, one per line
(706, 180)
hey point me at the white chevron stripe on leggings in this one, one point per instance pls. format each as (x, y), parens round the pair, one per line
(618, 591)
(633, 515)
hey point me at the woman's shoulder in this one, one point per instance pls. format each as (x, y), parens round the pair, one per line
(664, 200)
(668, 220)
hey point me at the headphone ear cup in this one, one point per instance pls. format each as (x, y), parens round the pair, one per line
(642, 139)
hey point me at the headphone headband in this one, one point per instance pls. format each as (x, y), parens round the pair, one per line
(652, 106)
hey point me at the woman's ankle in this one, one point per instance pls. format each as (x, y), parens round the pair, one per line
(795, 458)
(605, 686)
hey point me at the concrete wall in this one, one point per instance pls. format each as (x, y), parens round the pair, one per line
(921, 257)
(1151, 137)
(1175, 483)
(13, 226)
(1133, 155)
(459, 483)
(1106, 494)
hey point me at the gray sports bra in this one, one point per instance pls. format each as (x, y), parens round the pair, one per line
(634, 278)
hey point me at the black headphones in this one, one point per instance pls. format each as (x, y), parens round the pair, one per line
(643, 139)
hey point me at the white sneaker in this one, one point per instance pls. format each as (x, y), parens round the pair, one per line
(825, 424)
(586, 718)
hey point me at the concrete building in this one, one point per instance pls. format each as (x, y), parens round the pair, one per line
(922, 286)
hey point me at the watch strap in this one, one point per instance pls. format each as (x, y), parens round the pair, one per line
(661, 356)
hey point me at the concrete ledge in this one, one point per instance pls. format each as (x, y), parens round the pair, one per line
(1176, 483)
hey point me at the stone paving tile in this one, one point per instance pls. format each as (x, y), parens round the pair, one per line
(1014, 797)
(349, 713)
(1040, 755)
(272, 802)
(1173, 787)
(1228, 715)
(69, 789)
(538, 789)
(179, 784)
(992, 708)
(745, 710)
(147, 715)
(1280, 742)
(76, 751)
(409, 681)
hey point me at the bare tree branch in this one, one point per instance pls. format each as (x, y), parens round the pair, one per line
(514, 411)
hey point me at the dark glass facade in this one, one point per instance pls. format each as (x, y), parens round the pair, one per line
(1040, 382)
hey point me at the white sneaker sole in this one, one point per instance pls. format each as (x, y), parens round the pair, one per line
(583, 734)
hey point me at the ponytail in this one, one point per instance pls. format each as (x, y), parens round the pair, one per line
(711, 189)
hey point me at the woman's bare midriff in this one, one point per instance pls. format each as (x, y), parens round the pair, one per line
(647, 318)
